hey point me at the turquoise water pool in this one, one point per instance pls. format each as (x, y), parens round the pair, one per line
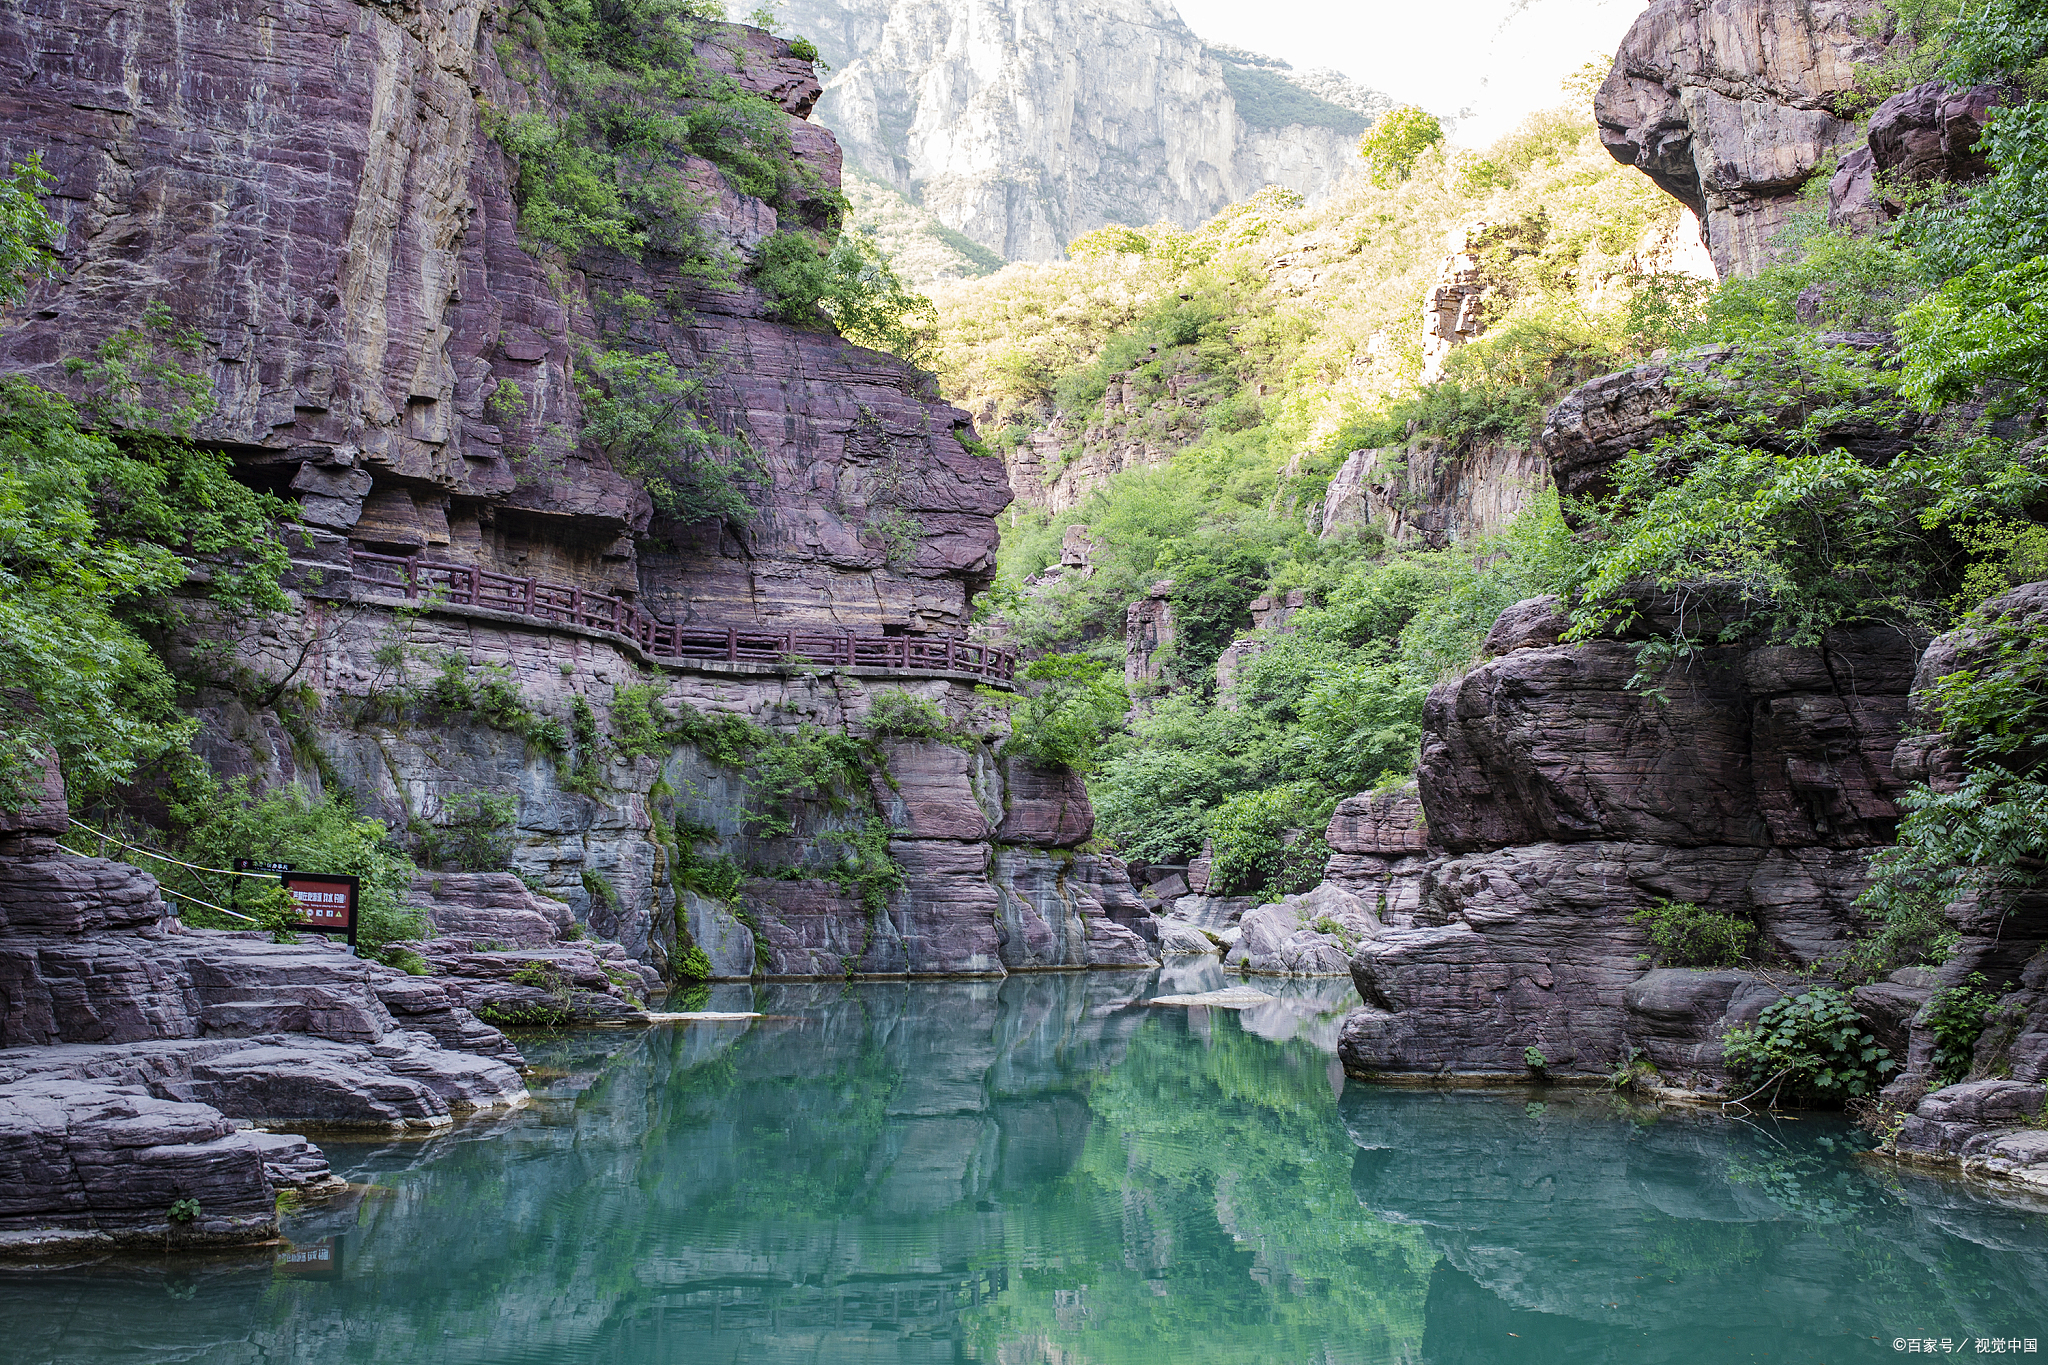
(1048, 1170)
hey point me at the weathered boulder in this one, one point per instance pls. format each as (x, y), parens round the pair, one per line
(1774, 747)
(1888, 1006)
(89, 1165)
(1313, 934)
(932, 789)
(1729, 105)
(1532, 623)
(1433, 493)
(1597, 424)
(1180, 939)
(1068, 910)
(727, 942)
(489, 905)
(1678, 1017)
(1928, 133)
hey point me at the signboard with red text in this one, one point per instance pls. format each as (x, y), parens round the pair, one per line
(326, 903)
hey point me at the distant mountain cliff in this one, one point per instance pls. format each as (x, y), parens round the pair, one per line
(1022, 124)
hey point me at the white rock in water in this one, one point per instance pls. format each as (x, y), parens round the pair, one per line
(1229, 998)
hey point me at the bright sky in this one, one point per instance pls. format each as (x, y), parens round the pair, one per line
(1497, 59)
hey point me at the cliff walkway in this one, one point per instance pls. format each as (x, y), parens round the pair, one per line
(419, 579)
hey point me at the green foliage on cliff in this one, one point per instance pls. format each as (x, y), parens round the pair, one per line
(652, 421)
(1683, 934)
(848, 283)
(624, 101)
(107, 511)
(1068, 704)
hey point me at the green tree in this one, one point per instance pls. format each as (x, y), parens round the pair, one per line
(1396, 140)
(652, 421)
(102, 512)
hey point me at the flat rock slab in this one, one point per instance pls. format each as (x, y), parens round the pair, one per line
(697, 1016)
(1229, 998)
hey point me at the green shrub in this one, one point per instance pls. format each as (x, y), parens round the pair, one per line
(474, 835)
(693, 965)
(850, 284)
(1987, 836)
(1956, 1015)
(1686, 935)
(1813, 1044)
(716, 879)
(1533, 1058)
(865, 869)
(1251, 832)
(1071, 703)
(640, 727)
(104, 508)
(630, 101)
(600, 890)
(212, 825)
(895, 713)
(652, 422)
(1396, 140)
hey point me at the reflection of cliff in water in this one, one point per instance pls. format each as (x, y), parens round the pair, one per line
(1011, 1171)
(1046, 1169)
(1594, 1232)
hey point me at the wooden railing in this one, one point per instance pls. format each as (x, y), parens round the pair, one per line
(466, 585)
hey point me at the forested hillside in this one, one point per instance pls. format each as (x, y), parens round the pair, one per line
(1210, 384)
(1227, 373)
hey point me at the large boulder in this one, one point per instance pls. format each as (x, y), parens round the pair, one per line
(491, 906)
(1378, 846)
(1313, 934)
(1729, 106)
(1927, 133)
(1044, 806)
(1678, 1017)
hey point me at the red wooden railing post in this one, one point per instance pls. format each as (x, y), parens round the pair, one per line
(732, 644)
(412, 577)
(575, 606)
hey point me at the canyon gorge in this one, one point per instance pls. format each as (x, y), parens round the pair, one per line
(671, 638)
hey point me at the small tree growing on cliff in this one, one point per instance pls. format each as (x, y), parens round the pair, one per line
(651, 420)
(1396, 141)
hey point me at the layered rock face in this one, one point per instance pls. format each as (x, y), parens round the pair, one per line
(1024, 126)
(986, 845)
(1556, 795)
(1433, 495)
(1730, 105)
(134, 1056)
(319, 199)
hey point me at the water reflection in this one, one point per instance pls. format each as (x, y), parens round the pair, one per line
(1049, 1170)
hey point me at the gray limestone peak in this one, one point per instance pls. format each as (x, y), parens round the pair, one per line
(1024, 125)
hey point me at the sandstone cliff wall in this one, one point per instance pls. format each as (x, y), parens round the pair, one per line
(318, 197)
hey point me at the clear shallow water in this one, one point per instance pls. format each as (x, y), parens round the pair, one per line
(1043, 1172)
